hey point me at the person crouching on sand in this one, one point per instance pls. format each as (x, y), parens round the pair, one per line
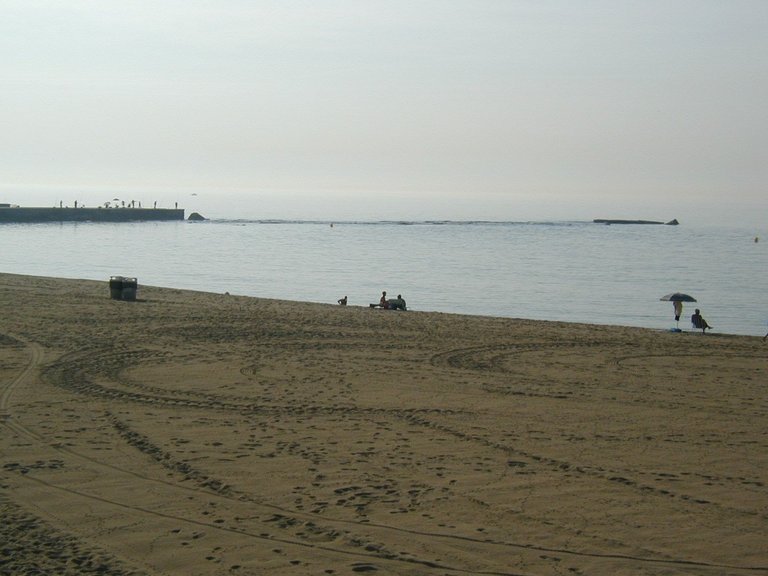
(396, 303)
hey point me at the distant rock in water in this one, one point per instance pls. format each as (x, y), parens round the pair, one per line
(196, 217)
(673, 222)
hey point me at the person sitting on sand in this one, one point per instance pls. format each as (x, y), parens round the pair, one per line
(397, 303)
(698, 321)
(342, 301)
(382, 301)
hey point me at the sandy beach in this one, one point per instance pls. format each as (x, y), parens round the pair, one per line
(190, 433)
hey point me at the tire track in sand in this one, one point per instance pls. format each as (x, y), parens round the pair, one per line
(376, 553)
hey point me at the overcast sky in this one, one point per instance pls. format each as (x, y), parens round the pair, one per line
(506, 109)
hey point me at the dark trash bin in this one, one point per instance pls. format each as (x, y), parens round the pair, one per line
(130, 286)
(116, 287)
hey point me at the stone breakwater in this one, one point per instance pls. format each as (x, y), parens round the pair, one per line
(41, 215)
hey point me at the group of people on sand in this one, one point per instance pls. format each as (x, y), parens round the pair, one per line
(398, 303)
(390, 303)
(384, 302)
(696, 318)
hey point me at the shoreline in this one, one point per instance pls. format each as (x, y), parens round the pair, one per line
(317, 263)
(195, 432)
(143, 287)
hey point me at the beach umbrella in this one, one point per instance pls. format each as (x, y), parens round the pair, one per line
(677, 299)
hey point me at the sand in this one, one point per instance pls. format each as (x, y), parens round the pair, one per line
(195, 433)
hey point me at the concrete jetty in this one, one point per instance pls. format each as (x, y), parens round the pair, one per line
(17, 214)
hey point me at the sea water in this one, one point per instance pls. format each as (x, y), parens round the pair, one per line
(569, 271)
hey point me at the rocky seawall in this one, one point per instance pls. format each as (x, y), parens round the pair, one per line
(41, 215)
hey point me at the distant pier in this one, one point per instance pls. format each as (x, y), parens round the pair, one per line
(16, 214)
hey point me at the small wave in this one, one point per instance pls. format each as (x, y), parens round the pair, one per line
(271, 221)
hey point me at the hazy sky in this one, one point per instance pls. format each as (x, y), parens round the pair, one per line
(506, 109)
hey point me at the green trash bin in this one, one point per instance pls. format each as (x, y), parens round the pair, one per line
(116, 287)
(130, 287)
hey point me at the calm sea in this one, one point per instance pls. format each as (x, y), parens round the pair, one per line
(572, 271)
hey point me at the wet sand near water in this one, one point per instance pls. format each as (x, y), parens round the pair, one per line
(207, 434)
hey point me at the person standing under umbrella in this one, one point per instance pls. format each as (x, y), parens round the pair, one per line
(678, 306)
